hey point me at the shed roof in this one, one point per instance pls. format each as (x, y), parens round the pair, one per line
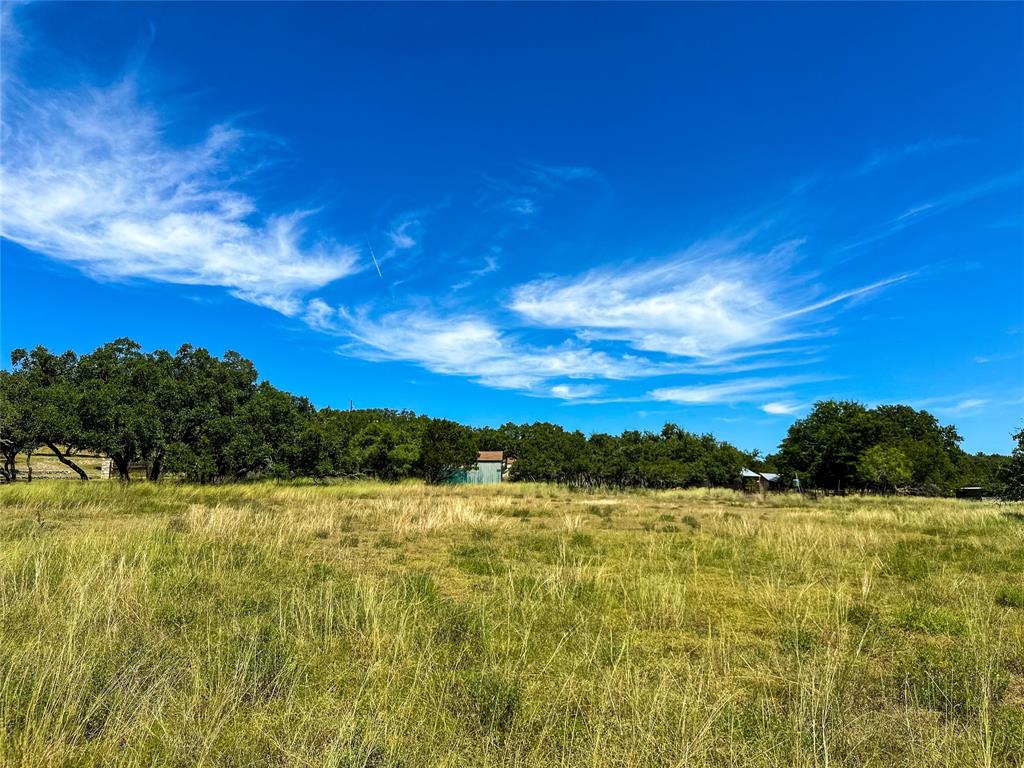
(490, 456)
(771, 477)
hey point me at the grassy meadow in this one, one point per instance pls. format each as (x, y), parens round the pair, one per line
(523, 625)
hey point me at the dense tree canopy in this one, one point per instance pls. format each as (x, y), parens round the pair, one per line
(210, 419)
(1012, 470)
(445, 448)
(844, 445)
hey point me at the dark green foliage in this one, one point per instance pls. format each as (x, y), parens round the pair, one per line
(116, 410)
(1009, 735)
(368, 443)
(478, 560)
(488, 701)
(445, 448)
(672, 458)
(883, 468)
(932, 620)
(17, 433)
(796, 640)
(41, 403)
(205, 418)
(952, 680)
(862, 615)
(844, 446)
(1012, 472)
(210, 419)
(907, 563)
(824, 447)
(1010, 597)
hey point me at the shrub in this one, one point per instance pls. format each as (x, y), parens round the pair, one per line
(1010, 597)
(907, 563)
(931, 620)
(478, 560)
(950, 680)
(861, 615)
(488, 700)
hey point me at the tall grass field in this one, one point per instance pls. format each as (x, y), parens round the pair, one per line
(516, 625)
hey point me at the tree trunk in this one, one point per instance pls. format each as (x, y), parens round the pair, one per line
(66, 461)
(10, 470)
(122, 469)
(156, 467)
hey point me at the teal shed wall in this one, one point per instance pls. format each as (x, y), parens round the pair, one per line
(486, 472)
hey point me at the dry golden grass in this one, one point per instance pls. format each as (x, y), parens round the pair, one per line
(375, 625)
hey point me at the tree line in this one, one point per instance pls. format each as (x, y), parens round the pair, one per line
(210, 419)
(845, 445)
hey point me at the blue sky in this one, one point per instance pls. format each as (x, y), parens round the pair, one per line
(607, 216)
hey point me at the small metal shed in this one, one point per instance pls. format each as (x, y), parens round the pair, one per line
(973, 492)
(762, 481)
(489, 468)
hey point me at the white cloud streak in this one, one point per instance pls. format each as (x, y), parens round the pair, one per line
(556, 175)
(714, 301)
(90, 178)
(882, 158)
(962, 407)
(472, 346)
(736, 391)
(783, 408)
(922, 211)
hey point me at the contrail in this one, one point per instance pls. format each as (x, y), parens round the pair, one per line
(374, 258)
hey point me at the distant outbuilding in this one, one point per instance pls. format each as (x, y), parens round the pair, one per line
(973, 492)
(490, 468)
(759, 481)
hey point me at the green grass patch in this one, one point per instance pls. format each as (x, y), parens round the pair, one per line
(1010, 597)
(362, 624)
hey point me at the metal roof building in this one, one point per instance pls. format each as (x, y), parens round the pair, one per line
(490, 466)
(763, 480)
(771, 477)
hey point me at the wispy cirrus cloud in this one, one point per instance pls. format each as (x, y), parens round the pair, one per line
(735, 391)
(401, 234)
(406, 230)
(557, 175)
(523, 206)
(964, 403)
(320, 316)
(575, 391)
(522, 193)
(91, 179)
(885, 157)
(721, 308)
(491, 263)
(988, 359)
(952, 405)
(938, 205)
(959, 197)
(474, 347)
(963, 406)
(784, 408)
(718, 300)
